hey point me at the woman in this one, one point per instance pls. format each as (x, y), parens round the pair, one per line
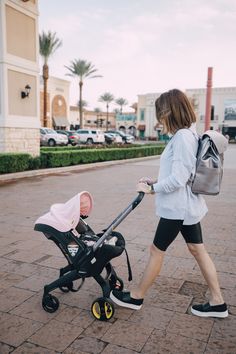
(178, 208)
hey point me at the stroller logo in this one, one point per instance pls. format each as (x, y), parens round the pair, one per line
(73, 249)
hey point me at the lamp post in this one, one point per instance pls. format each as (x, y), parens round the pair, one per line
(208, 99)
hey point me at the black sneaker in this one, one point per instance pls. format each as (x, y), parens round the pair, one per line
(122, 298)
(207, 310)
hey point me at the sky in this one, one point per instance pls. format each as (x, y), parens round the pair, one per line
(142, 46)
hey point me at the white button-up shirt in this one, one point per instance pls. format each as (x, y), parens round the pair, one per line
(174, 198)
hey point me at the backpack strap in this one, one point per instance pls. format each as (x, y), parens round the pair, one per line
(218, 139)
(130, 277)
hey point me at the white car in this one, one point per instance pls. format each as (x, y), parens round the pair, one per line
(117, 138)
(49, 137)
(89, 136)
(127, 138)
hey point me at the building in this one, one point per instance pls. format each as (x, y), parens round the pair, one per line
(146, 118)
(58, 96)
(223, 110)
(127, 122)
(91, 119)
(19, 76)
(223, 107)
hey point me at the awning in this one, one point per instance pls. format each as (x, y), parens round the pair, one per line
(61, 121)
(141, 127)
(158, 126)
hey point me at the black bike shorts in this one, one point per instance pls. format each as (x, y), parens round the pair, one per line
(167, 231)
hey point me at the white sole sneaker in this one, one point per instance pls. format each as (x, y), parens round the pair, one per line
(217, 314)
(124, 304)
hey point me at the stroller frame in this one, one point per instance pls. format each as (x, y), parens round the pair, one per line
(84, 262)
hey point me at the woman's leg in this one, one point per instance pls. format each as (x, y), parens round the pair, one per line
(151, 271)
(208, 270)
(166, 232)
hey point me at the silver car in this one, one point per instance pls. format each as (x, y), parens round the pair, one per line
(49, 137)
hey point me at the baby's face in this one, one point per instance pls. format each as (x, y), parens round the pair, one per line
(84, 205)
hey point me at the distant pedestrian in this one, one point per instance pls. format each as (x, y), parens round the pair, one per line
(178, 208)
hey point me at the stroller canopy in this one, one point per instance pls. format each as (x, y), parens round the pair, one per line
(64, 217)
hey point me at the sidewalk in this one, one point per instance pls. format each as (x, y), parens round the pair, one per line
(28, 261)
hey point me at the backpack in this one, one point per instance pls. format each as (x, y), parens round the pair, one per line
(209, 165)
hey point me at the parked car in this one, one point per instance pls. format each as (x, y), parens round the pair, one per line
(229, 133)
(127, 138)
(49, 137)
(89, 136)
(117, 139)
(109, 138)
(73, 137)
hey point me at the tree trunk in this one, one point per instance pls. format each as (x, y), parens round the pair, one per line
(80, 105)
(45, 94)
(107, 117)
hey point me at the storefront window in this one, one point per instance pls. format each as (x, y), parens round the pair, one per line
(142, 114)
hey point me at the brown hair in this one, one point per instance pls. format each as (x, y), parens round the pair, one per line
(174, 111)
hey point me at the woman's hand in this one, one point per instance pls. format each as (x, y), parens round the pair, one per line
(145, 188)
(148, 180)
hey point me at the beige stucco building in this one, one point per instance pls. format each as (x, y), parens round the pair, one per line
(91, 119)
(19, 73)
(223, 98)
(58, 96)
(146, 120)
(223, 101)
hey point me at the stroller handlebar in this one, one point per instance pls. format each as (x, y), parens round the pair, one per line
(118, 220)
(138, 199)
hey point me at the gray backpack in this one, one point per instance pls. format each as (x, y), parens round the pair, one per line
(209, 166)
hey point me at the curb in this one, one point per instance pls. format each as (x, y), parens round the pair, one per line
(79, 168)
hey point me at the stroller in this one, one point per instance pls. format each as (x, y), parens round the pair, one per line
(87, 253)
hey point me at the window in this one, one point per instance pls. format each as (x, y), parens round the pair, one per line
(142, 114)
(212, 112)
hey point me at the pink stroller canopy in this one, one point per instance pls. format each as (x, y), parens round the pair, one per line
(64, 217)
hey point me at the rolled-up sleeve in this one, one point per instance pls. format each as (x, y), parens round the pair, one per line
(183, 163)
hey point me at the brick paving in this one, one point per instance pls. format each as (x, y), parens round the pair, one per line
(164, 325)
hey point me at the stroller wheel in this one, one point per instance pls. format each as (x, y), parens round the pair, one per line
(116, 283)
(50, 303)
(102, 309)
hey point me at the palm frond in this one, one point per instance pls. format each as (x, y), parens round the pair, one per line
(48, 44)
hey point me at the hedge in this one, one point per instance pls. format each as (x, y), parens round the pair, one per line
(16, 162)
(76, 157)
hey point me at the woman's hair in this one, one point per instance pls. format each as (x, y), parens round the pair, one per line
(174, 111)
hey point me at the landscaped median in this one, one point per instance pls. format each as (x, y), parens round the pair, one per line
(60, 157)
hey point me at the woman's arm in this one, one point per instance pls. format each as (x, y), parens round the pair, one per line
(183, 163)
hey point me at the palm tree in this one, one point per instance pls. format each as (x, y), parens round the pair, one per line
(134, 106)
(121, 102)
(83, 70)
(107, 98)
(84, 104)
(98, 111)
(48, 44)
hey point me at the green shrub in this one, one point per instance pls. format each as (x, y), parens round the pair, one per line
(34, 163)
(14, 162)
